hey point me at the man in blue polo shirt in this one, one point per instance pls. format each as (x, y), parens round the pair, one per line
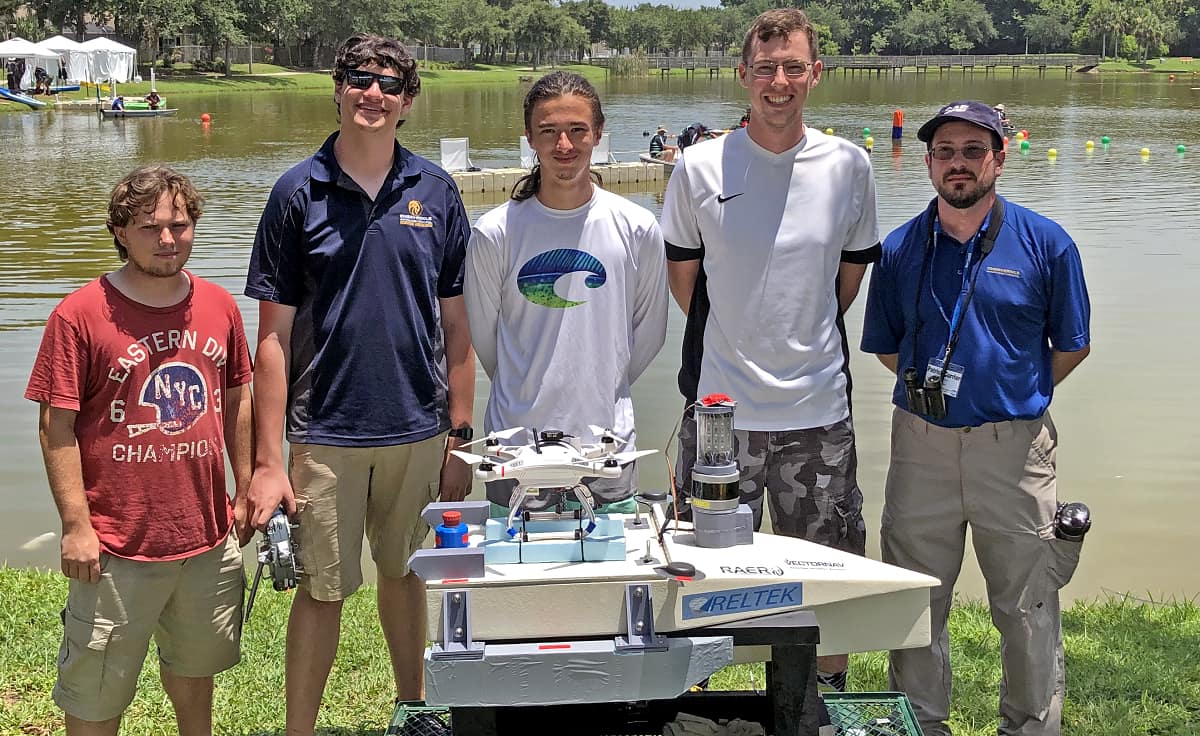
(980, 307)
(364, 355)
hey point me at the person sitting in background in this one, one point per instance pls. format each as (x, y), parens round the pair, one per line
(41, 81)
(659, 147)
(118, 103)
(153, 99)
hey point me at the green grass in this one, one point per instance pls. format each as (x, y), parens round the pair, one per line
(1133, 669)
(268, 77)
(1168, 65)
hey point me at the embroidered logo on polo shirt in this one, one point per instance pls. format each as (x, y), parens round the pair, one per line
(414, 218)
(1012, 272)
(537, 277)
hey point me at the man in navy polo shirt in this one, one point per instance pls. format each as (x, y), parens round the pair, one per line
(1001, 289)
(364, 355)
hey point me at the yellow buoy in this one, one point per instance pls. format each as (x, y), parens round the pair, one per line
(1145, 152)
(1089, 145)
(829, 131)
(1052, 153)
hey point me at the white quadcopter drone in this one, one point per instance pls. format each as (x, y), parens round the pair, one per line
(554, 460)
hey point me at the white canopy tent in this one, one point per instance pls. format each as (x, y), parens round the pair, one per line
(111, 61)
(34, 55)
(79, 61)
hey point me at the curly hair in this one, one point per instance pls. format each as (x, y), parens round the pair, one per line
(779, 23)
(140, 190)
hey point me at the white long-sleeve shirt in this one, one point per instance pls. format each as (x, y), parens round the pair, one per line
(566, 308)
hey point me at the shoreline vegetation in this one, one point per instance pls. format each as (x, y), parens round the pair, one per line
(269, 77)
(1133, 668)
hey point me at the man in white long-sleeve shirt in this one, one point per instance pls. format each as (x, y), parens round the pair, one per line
(565, 288)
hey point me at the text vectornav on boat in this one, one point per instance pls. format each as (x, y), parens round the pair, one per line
(740, 600)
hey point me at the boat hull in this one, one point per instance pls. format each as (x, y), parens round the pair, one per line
(113, 114)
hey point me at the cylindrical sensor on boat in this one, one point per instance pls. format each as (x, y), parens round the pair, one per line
(715, 473)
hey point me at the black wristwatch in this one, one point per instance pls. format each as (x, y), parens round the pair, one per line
(466, 434)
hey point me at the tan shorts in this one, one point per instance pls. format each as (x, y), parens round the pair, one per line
(192, 608)
(340, 491)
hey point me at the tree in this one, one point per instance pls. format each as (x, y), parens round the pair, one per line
(972, 22)
(150, 20)
(1047, 32)
(461, 24)
(921, 29)
(219, 22)
(1106, 20)
(539, 27)
(594, 15)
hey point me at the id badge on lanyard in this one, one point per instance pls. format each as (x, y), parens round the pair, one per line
(952, 379)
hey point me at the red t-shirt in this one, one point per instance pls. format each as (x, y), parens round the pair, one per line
(149, 385)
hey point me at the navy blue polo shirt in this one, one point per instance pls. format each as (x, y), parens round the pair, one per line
(368, 365)
(1030, 298)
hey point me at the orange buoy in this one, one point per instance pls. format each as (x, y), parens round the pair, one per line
(898, 125)
(205, 117)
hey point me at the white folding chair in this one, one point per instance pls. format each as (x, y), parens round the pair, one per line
(601, 153)
(528, 157)
(455, 154)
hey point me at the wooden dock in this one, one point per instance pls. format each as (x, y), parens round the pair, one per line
(880, 65)
(631, 176)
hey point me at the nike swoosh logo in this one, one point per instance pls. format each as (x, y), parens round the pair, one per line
(723, 200)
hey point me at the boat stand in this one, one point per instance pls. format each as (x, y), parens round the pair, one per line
(788, 707)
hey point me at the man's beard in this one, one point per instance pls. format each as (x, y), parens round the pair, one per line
(961, 199)
(164, 271)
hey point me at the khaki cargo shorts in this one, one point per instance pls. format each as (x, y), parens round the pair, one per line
(342, 491)
(192, 608)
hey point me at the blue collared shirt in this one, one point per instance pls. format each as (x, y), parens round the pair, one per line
(1030, 299)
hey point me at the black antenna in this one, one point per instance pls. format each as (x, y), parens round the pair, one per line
(537, 447)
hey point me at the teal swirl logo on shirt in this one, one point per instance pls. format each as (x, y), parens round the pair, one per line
(538, 276)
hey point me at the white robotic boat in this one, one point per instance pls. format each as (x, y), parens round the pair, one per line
(554, 609)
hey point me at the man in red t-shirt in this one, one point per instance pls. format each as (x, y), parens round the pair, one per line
(143, 378)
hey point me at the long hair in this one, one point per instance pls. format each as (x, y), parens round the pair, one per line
(140, 191)
(555, 84)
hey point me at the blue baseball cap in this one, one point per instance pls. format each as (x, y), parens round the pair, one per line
(970, 111)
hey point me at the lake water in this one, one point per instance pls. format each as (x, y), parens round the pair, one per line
(1129, 437)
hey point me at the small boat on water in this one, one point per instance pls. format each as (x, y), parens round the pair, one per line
(145, 113)
(668, 165)
(58, 89)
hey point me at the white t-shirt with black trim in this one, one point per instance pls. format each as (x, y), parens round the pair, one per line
(771, 230)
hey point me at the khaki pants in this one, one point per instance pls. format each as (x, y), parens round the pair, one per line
(1000, 479)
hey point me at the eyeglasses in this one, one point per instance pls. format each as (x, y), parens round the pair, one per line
(766, 69)
(362, 79)
(972, 152)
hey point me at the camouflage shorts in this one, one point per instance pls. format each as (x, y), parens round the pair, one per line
(810, 476)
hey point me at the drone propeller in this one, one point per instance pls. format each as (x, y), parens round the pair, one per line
(468, 457)
(603, 432)
(500, 434)
(628, 457)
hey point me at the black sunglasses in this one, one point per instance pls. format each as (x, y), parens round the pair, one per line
(388, 85)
